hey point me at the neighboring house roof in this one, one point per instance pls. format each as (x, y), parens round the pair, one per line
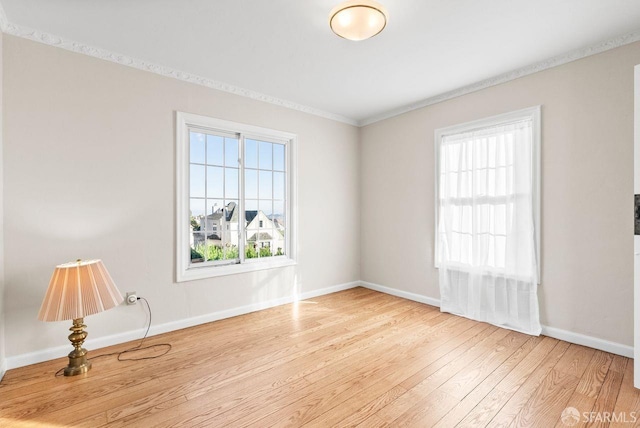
(231, 215)
(250, 215)
(229, 210)
(262, 236)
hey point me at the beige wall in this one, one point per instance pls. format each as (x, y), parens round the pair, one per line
(89, 173)
(89, 161)
(587, 180)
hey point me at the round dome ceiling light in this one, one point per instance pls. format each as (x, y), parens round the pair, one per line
(358, 19)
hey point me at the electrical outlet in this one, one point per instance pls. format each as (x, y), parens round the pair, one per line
(132, 298)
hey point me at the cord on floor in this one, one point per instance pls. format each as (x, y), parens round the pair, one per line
(165, 346)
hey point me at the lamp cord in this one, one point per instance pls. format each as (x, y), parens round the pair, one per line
(167, 346)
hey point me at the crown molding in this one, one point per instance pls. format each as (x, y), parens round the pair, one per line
(70, 45)
(507, 77)
(52, 40)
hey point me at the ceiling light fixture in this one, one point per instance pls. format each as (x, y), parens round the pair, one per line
(358, 19)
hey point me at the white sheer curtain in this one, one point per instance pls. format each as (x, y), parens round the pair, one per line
(487, 249)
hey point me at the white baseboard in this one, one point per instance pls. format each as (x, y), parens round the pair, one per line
(101, 342)
(399, 293)
(556, 333)
(3, 368)
(590, 341)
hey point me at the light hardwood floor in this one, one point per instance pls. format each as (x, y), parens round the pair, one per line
(354, 358)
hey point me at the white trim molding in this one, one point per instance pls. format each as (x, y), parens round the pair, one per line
(96, 52)
(102, 342)
(77, 47)
(509, 76)
(403, 294)
(556, 333)
(3, 368)
(590, 341)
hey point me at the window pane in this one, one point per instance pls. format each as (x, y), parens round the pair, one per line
(212, 222)
(251, 184)
(214, 248)
(278, 210)
(250, 245)
(214, 182)
(481, 182)
(251, 153)
(230, 234)
(278, 219)
(197, 247)
(231, 152)
(278, 157)
(251, 205)
(214, 205)
(232, 215)
(265, 245)
(265, 182)
(230, 252)
(196, 181)
(231, 183)
(196, 207)
(266, 206)
(265, 155)
(278, 185)
(196, 147)
(279, 242)
(500, 219)
(214, 150)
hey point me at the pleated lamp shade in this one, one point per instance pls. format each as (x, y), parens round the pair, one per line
(79, 289)
(358, 19)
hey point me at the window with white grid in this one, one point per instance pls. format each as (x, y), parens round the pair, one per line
(234, 198)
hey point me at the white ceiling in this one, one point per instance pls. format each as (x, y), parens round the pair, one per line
(285, 49)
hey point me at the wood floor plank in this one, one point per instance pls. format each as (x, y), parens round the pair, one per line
(575, 360)
(584, 397)
(466, 379)
(608, 395)
(320, 396)
(226, 365)
(475, 397)
(356, 358)
(372, 422)
(426, 412)
(439, 351)
(529, 383)
(548, 401)
(594, 375)
(416, 394)
(249, 397)
(628, 402)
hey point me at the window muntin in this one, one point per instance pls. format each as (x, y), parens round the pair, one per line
(234, 195)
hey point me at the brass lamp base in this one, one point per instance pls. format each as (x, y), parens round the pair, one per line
(78, 362)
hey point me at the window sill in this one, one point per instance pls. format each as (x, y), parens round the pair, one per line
(203, 272)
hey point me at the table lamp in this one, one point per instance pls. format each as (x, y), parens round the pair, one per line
(76, 290)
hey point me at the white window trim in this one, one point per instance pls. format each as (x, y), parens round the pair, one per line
(533, 113)
(184, 270)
